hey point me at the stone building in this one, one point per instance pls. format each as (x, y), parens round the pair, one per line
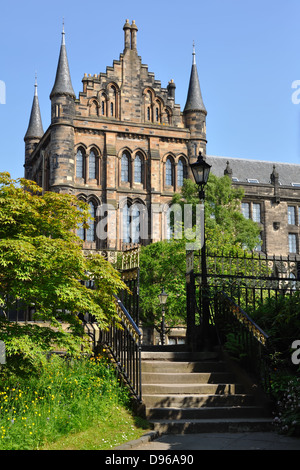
(124, 146)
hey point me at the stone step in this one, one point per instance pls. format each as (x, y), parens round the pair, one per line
(209, 389)
(186, 377)
(193, 426)
(182, 366)
(209, 412)
(178, 356)
(196, 400)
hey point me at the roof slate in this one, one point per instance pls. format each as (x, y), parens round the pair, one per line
(245, 169)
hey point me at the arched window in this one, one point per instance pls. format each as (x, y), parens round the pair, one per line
(103, 104)
(113, 101)
(90, 232)
(125, 168)
(92, 165)
(80, 231)
(126, 224)
(138, 169)
(169, 172)
(169, 225)
(79, 164)
(157, 111)
(148, 106)
(168, 117)
(94, 108)
(181, 172)
(135, 224)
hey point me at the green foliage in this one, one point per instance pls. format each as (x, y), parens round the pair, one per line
(287, 419)
(41, 266)
(69, 396)
(279, 318)
(162, 264)
(226, 228)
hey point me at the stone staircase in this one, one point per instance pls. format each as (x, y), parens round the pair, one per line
(194, 393)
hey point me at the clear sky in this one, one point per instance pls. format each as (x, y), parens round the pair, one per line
(248, 56)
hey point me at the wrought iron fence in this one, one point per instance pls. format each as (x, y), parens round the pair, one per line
(123, 341)
(244, 339)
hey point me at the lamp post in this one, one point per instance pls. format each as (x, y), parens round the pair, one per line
(201, 171)
(162, 300)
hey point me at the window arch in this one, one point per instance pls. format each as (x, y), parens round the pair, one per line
(138, 168)
(125, 171)
(112, 109)
(134, 222)
(169, 224)
(89, 234)
(103, 104)
(90, 231)
(169, 172)
(148, 106)
(92, 165)
(126, 224)
(181, 172)
(157, 116)
(94, 108)
(80, 163)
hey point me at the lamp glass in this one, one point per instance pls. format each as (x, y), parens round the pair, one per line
(201, 170)
(163, 297)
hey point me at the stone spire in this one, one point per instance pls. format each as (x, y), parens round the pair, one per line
(194, 100)
(35, 127)
(63, 84)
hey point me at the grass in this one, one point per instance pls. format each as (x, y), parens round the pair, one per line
(77, 404)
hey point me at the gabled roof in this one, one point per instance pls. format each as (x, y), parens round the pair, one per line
(246, 169)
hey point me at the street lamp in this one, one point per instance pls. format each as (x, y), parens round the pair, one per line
(201, 171)
(162, 300)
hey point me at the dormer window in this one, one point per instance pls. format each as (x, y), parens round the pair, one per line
(252, 180)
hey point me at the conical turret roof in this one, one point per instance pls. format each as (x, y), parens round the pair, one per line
(35, 127)
(194, 100)
(63, 83)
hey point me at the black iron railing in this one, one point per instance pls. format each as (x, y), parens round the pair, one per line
(122, 339)
(243, 338)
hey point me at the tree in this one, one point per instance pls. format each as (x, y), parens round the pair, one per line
(225, 226)
(42, 265)
(163, 264)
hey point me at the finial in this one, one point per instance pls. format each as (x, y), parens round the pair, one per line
(35, 84)
(63, 33)
(194, 53)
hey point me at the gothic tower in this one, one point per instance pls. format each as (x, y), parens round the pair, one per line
(62, 125)
(34, 132)
(195, 114)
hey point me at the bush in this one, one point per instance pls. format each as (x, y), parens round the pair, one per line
(287, 418)
(279, 318)
(66, 397)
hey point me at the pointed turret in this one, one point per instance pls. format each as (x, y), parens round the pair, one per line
(62, 123)
(194, 100)
(34, 132)
(195, 114)
(63, 83)
(35, 127)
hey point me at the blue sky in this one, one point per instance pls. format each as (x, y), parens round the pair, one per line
(248, 56)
